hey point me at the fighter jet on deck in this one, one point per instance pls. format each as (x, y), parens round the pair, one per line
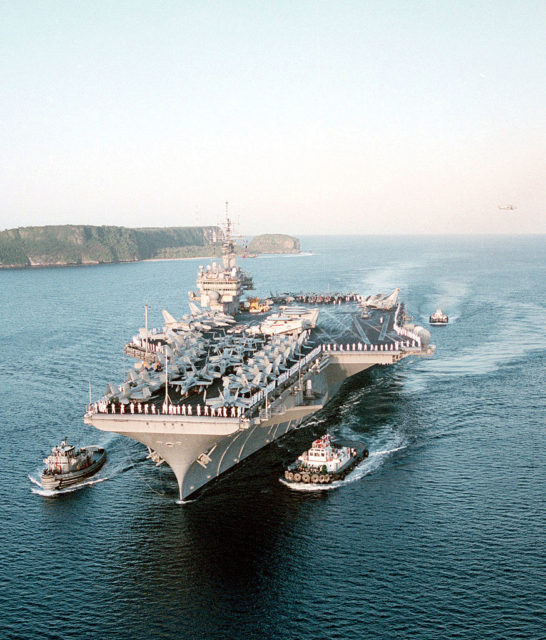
(380, 301)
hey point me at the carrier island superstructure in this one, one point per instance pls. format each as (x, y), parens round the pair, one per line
(212, 388)
(220, 286)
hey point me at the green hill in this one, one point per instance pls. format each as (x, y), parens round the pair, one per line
(85, 244)
(274, 243)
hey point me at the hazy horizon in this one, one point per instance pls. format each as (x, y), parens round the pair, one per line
(342, 118)
(299, 235)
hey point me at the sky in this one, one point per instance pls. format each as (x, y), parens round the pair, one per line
(309, 117)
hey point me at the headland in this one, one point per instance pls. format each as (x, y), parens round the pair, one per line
(71, 245)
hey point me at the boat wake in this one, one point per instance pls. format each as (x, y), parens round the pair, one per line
(450, 295)
(375, 460)
(52, 493)
(382, 278)
(486, 355)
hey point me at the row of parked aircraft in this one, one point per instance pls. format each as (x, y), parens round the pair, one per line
(196, 351)
(258, 371)
(200, 320)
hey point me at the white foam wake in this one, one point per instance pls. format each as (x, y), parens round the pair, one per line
(52, 493)
(449, 296)
(511, 339)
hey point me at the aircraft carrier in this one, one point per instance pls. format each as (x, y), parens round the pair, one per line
(215, 386)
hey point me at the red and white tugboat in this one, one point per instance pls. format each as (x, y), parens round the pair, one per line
(68, 465)
(325, 463)
(438, 318)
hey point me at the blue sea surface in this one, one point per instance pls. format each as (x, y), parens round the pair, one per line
(439, 534)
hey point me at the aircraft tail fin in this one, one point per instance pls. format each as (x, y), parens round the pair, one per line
(194, 309)
(168, 318)
(111, 389)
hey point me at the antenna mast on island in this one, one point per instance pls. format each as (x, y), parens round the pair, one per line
(228, 252)
(227, 232)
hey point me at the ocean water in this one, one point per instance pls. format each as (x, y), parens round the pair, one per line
(439, 534)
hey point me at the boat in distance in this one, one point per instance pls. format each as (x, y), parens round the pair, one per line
(438, 318)
(68, 465)
(213, 388)
(326, 461)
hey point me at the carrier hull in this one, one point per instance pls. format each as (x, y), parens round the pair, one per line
(207, 393)
(200, 449)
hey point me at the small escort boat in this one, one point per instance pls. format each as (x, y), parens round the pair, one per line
(438, 318)
(325, 462)
(68, 465)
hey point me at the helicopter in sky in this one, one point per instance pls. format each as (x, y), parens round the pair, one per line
(507, 207)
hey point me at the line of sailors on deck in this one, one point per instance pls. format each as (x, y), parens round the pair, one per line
(393, 346)
(326, 298)
(402, 331)
(166, 409)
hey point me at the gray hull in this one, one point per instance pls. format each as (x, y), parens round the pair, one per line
(200, 449)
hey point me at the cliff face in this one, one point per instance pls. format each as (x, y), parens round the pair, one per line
(84, 244)
(274, 243)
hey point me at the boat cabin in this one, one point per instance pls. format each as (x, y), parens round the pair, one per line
(323, 454)
(66, 458)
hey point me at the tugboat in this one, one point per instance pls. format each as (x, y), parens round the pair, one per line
(325, 463)
(438, 318)
(68, 465)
